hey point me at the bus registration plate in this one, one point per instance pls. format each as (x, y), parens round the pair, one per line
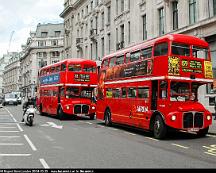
(193, 130)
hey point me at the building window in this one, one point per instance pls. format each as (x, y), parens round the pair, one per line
(91, 5)
(96, 23)
(109, 42)
(192, 11)
(109, 15)
(122, 36)
(96, 49)
(214, 7)
(161, 21)
(91, 51)
(122, 5)
(144, 27)
(87, 10)
(54, 42)
(129, 32)
(117, 36)
(57, 33)
(117, 7)
(175, 14)
(102, 20)
(102, 47)
(96, 3)
(129, 4)
(44, 34)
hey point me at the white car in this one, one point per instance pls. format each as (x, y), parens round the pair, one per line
(10, 99)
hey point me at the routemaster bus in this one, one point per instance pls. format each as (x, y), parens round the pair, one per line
(67, 88)
(155, 85)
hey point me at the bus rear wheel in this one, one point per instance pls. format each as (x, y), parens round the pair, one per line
(159, 128)
(107, 118)
(60, 113)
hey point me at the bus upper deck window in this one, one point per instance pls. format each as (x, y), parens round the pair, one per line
(74, 68)
(105, 63)
(58, 68)
(120, 60)
(161, 49)
(89, 69)
(146, 53)
(199, 52)
(63, 67)
(112, 62)
(134, 56)
(180, 49)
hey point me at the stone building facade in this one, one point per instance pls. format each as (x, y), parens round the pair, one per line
(44, 47)
(94, 28)
(11, 75)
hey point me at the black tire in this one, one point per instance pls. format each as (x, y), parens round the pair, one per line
(159, 128)
(107, 118)
(203, 132)
(92, 117)
(60, 113)
(40, 110)
(30, 120)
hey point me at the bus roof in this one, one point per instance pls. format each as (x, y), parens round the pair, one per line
(179, 38)
(72, 60)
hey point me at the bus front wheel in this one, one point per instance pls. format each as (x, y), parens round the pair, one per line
(159, 128)
(60, 113)
(107, 118)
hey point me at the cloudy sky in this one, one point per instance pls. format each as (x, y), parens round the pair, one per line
(22, 16)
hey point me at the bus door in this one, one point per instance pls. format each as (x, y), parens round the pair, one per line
(163, 95)
(154, 95)
(54, 100)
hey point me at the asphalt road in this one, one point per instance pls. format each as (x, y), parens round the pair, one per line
(85, 143)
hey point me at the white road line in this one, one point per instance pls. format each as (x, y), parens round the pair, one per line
(11, 144)
(130, 133)
(212, 154)
(7, 127)
(43, 162)
(20, 128)
(30, 143)
(10, 136)
(9, 131)
(15, 155)
(211, 136)
(152, 139)
(88, 123)
(181, 146)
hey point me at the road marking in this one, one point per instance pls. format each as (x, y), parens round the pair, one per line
(211, 150)
(11, 144)
(15, 154)
(11, 115)
(20, 128)
(152, 139)
(88, 123)
(214, 136)
(130, 133)
(9, 131)
(30, 143)
(181, 146)
(7, 127)
(43, 162)
(9, 136)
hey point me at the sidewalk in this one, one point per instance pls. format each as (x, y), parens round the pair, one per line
(212, 128)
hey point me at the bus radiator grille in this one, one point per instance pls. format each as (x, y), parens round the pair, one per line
(193, 120)
(81, 109)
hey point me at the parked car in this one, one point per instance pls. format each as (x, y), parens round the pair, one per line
(19, 97)
(10, 99)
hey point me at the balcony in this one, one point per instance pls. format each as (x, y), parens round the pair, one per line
(93, 34)
(120, 45)
(79, 42)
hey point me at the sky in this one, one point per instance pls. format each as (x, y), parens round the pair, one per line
(19, 17)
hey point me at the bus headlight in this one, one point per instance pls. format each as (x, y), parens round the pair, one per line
(208, 117)
(173, 117)
(67, 107)
(93, 107)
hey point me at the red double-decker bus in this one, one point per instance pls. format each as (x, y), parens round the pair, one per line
(155, 85)
(68, 88)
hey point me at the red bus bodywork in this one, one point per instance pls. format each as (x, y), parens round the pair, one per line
(67, 88)
(154, 85)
